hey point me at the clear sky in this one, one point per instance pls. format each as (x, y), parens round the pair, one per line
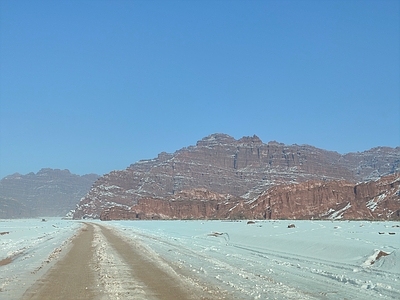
(93, 86)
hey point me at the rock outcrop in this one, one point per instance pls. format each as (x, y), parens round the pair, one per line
(243, 168)
(49, 192)
(189, 204)
(374, 200)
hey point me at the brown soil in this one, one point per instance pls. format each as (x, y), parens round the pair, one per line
(381, 254)
(5, 261)
(71, 277)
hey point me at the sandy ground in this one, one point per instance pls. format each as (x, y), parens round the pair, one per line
(101, 264)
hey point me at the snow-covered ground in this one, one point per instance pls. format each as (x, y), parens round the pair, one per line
(264, 260)
(32, 245)
(268, 260)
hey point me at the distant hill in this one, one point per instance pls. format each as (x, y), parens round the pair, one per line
(48, 193)
(228, 170)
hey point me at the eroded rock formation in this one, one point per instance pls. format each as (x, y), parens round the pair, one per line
(244, 169)
(378, 199)
(375, 200)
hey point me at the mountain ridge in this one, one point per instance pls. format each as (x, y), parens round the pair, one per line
(48, 193)
(242, 168)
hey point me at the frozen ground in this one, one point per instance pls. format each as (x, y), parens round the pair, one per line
(28, 247)
(268, 260)
(264, 260)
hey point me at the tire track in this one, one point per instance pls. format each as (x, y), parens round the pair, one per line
(101, 264)
(71, 277)
(160, 283)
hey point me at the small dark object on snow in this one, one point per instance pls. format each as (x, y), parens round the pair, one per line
(215, 234)
(291, 226)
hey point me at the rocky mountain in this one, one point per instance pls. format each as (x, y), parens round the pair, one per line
(243, 168)
(372, 200)
(337, 199)
(49, 192)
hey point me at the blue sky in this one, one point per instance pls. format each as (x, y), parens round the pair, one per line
(93, 86)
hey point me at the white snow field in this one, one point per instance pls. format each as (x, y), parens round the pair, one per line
(268, 260)
(33, 245)
(263, 260)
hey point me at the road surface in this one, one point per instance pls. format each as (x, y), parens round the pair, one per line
(103, 265)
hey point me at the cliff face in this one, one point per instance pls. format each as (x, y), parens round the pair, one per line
(189, 204)
(372, 200)
(242, 168)
(375, 200)
(49, 193)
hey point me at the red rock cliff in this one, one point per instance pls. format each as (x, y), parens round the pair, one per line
(243, 168)
(374, 200)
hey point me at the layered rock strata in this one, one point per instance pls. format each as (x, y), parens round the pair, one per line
(375, 200)
(242, 168)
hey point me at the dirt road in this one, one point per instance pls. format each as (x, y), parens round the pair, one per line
(103, 265)
(71, 277)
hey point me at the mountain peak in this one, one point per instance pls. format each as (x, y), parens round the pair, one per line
(242, 168)
(47, 171)
(250, 140)
(216, 138)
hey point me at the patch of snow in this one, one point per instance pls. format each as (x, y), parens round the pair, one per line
(232, 208)
(339, 214)
(372, 205)
(372, 259)
(331, 210)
